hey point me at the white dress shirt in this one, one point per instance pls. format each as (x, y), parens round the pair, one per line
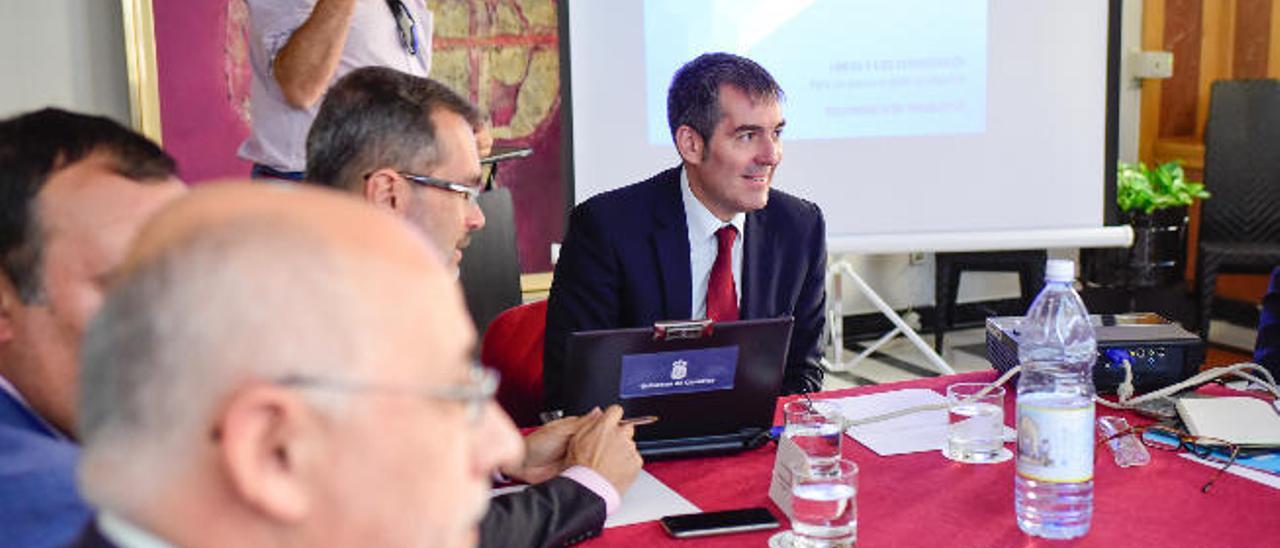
(703, 247)
(8, 388)
(12, 391)
(127, 535)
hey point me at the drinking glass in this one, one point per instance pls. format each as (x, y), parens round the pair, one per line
(824, 508)
(816, 428)
(975, 423)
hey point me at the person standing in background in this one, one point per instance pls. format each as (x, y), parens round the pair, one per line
(298, 48)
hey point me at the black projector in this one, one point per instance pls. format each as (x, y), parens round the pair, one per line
(1163, 353)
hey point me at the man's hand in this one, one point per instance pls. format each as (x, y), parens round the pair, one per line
(544, 451)
(308, 60)
(607, 447)
(484, 141)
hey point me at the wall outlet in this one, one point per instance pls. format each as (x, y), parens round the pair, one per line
(1151, 64)
(912, 318)
(915, 258)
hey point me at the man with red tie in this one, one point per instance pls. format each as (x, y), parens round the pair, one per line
(706, 239)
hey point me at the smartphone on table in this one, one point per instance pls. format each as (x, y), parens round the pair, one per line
(719, 523)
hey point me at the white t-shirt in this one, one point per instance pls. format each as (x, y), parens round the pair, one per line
(278, 137)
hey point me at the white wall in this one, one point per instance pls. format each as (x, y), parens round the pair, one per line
(904, 285)
(64, 53)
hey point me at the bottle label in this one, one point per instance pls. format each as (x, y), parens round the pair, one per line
(1055, 444)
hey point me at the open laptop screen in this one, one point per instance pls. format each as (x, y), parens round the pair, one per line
(723, 382)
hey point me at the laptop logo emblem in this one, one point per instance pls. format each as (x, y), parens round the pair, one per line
(679, 369)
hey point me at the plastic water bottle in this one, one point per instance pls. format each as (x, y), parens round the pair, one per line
(1053, 487)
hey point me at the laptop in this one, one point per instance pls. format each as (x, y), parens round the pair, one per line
(713, 387)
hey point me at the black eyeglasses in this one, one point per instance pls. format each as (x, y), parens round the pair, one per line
(1166, 438)
(405, 25)
(472, 193)
(477, 392)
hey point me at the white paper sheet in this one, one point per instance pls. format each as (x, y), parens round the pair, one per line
(1260, 477)
(647, 500)
(913, 433)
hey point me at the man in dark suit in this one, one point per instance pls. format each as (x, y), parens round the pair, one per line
(708, 239)
(407, 144)
(73, 189)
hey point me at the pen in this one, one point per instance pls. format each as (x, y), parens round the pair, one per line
(548, 416)
(639, 421)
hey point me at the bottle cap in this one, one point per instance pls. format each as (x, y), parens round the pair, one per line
(1060, 270)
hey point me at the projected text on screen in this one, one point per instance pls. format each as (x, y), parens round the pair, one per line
(849, 68)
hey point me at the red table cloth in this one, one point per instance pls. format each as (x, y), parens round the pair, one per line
(923, 499)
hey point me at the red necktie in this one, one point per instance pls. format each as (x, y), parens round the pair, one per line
(722, 298)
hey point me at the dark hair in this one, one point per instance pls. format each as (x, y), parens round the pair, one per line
(376, 117)
(35, 145)
(694, 96)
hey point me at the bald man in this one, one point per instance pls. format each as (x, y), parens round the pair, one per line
(407, 145)
(286, 366)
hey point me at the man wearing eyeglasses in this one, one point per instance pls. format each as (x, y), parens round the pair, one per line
(406, 144)
(330, 402)
(297, 48)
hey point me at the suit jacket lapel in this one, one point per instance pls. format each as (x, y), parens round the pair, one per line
(671, 246)
(14, 413)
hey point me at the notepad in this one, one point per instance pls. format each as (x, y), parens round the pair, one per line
(1239, 420)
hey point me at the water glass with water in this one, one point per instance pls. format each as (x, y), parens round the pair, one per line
(824, 507)
(975, 423)
(816, 428)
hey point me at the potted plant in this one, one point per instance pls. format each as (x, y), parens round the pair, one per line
(1154, 202)
(1140, 189)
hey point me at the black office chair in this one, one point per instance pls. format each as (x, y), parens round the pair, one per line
(490, 268)
(1029, 264)
(1240, 224)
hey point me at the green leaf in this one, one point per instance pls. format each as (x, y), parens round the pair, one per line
(1139, 187)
